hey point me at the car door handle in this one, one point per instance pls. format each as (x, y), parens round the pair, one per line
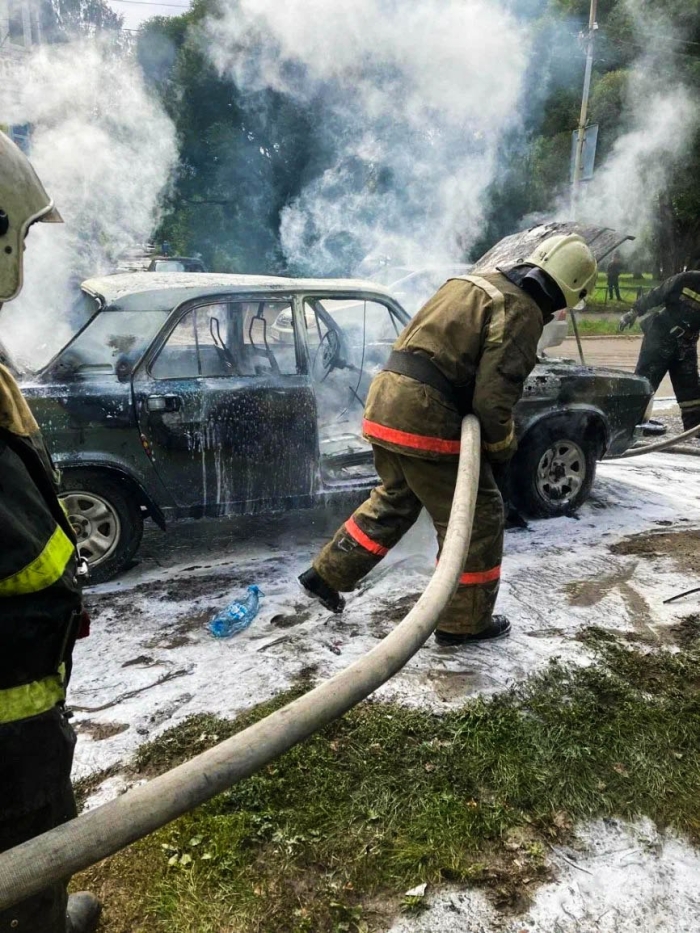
(163, 403)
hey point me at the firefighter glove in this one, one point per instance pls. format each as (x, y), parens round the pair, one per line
(627, 319)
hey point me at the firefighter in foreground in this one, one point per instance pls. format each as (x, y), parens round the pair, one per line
(469, 349)
(40, 602)
(670, 343)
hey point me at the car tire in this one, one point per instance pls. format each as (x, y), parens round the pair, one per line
(107, 520)
(554, 469)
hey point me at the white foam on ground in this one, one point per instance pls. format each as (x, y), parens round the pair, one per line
(625, 879)
(633, 878)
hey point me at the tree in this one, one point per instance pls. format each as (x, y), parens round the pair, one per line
(243, 157)
(63, 20)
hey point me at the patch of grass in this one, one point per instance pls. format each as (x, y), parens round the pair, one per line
(330, 837)
(588, 327)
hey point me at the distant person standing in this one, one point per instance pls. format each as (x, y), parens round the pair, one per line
(614, 270)
(670, 342)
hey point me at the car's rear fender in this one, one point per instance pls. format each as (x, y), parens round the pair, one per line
(121, 474)
(584, 420)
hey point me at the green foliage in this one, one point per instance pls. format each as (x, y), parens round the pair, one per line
(244, 157)
(63, 20)
(389, 797)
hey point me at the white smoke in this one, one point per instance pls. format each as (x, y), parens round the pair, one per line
(659, 120)
(625, 190)
(105, 150)
(410, 100)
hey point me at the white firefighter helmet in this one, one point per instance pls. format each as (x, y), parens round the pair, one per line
(567, 259)
(23, 201)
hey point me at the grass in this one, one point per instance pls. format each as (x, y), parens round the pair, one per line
(588, 327)
(329, 837)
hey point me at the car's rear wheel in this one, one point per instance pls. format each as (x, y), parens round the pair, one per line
(554, 470)
(107, 521)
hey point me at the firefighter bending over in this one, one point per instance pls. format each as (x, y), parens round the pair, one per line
(469, 349)
(670, 343)
(40, 602)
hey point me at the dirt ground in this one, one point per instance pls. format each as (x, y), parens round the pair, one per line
(614, 352)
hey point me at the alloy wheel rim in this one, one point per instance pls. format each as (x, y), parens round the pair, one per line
(561, 472)
(95, 523)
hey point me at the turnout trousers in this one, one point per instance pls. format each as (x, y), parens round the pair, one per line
(663, 352)
(409, 484)
(40, 753)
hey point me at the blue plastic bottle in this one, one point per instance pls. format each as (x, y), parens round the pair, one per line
(237, 616)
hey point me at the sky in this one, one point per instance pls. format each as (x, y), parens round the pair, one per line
(136, 11)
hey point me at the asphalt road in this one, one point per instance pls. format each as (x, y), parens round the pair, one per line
(614, 352)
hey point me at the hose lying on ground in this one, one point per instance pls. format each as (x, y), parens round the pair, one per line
(659, 445)
(93, 836)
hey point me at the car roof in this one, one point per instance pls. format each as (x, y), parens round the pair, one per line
(153, 291)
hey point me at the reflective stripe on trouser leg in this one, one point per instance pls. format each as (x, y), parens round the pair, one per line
(683, 371)
(472, 605)
(379, 523)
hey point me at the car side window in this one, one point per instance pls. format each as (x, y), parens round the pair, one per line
(367, 330)
(197, 346)
(269, 344)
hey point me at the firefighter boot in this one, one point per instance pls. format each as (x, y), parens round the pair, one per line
(499, 627)
(316, 587)
(83, 912)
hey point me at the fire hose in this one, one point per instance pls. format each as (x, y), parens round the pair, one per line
(93, 836)
(663, 445)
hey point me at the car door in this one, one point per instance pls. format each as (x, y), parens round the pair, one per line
(349, 341)
(229, 414)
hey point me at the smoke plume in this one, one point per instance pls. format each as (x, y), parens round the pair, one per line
(659, 120)
(411, 100)
(624, 192)
(104, 150)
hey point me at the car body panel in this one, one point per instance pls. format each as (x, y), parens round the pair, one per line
(602, 241)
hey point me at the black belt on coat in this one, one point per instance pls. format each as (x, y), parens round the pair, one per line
(423, 370)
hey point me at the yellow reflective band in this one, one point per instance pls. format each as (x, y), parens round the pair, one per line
(689, 293)
(693, 403)
(44, 570)
(497, 325)
(32, 699)
(501, 445)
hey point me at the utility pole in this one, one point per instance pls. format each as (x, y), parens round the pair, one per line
(583, 119)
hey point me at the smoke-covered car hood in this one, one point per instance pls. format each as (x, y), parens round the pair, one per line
(517, 247)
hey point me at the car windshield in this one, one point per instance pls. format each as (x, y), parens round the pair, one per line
(32, 338)
(112, 343)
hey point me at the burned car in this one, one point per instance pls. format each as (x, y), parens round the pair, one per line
(189, 395)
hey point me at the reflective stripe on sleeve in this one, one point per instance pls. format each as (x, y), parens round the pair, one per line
(692, 403)
(689, 293)
(501, 445)
(44, 570)
(497, 326)
(354, 530)
(31, 699)
(404, 439)
(484, 576)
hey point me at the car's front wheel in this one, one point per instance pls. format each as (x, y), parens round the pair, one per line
(554, 470)
(107, 521)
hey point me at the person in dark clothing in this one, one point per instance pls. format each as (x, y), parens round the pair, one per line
(41, 611)
(614, 270)
(671, 323)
